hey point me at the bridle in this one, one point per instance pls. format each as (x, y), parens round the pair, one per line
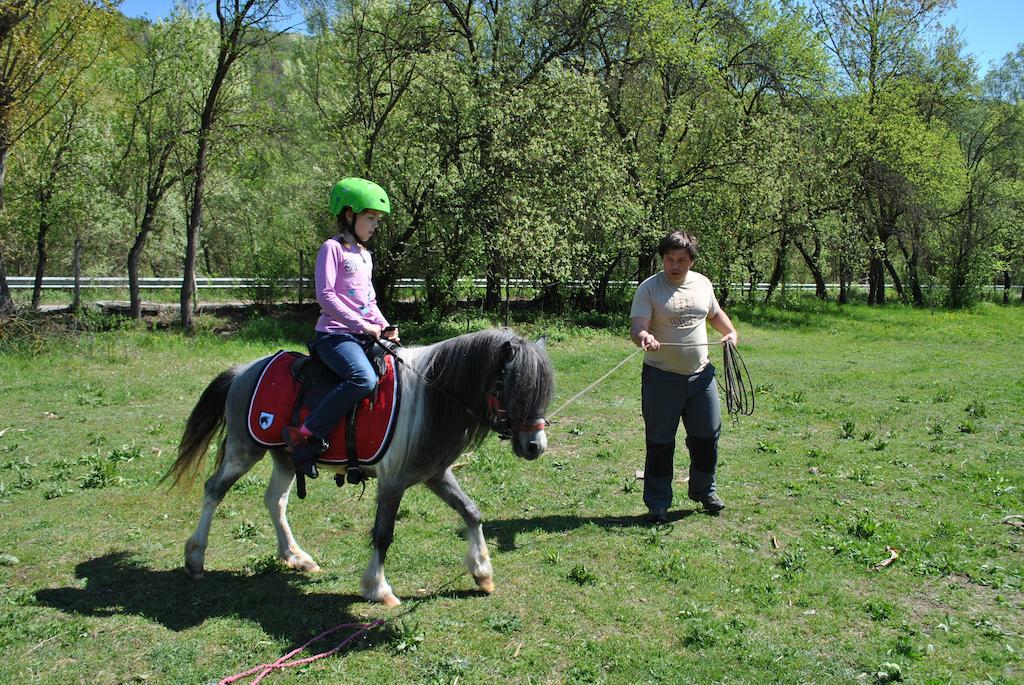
(497, 416)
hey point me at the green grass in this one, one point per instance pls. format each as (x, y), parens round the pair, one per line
(874, 428)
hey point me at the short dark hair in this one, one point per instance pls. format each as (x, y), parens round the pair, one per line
(678, 240)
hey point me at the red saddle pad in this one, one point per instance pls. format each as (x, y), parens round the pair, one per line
(273, 403)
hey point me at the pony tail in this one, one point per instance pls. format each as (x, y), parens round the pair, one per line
(204, 423)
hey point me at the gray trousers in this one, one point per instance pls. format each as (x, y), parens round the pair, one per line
(667, 398)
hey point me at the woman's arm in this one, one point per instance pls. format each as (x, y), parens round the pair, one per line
(723, 324)
(639, 334)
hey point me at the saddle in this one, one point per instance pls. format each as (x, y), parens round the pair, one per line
(292, 384)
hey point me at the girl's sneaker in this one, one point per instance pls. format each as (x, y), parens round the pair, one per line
(294, 439)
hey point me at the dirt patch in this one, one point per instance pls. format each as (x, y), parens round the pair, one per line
(934, 596)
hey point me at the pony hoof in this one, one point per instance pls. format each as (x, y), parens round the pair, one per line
(303, 565)
(193, 562)
(390, 600)
(485, 583)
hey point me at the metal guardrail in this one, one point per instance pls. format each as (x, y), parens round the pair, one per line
(111, 282)
(66, 282)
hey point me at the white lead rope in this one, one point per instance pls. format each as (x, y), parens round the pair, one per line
(588, 388)
(616, 368)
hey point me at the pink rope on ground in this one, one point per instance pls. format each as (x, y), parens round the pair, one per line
(283, 662)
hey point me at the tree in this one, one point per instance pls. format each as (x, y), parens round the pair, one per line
(41, 57)
(981, 235)
(243, 26)
(1003, 89)
(876, 47)
(368, 57)
(152, 126)
(57, 155)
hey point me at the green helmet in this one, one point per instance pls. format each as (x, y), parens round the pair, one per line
(359, 194)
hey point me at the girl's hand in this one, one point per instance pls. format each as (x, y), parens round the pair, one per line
(390, 333)
(371, 329)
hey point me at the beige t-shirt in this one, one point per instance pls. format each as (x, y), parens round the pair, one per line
(677, 314)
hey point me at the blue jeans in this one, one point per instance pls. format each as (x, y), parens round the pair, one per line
(667, 398)
(344, 354)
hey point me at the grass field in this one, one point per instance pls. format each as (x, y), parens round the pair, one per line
(875, 429)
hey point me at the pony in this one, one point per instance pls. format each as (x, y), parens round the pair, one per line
(454, 394)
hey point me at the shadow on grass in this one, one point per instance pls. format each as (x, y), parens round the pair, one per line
(505, 532)
(117, 585)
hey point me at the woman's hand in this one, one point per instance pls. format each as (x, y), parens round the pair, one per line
(648, 341)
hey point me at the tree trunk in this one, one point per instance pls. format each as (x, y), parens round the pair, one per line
(134, 256)
(754, 275)
(876, 280)
(896, 282)
(913, 274)
(958, 294)
(551, 299)
(37, 285)
(601, 294)
(76, 269)
(385, 283)
(812, 260)
(188, 278)
(1006, 286)
(645, 263)
(7, 307)
(6, 301)
(134, 296)
(779, 271)
(492, 295)
(845, 278)
(507, 302)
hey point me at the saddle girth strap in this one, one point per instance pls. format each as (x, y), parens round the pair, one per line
(350, 439)
(306, 371)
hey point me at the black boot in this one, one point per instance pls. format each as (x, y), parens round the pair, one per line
(304, 461)
(304, 458)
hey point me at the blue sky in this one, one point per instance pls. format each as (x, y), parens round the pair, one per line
(991, 28)
(158, 9)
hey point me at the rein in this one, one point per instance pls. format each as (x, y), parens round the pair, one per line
(282, 663)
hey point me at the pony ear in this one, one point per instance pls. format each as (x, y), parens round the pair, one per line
(541, 342)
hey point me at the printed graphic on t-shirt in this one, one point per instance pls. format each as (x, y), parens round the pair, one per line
(350, 266)
(683, 311)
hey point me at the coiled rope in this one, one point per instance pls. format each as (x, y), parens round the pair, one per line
(739, 390)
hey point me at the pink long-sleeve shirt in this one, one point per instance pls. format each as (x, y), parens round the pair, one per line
(344, 289)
